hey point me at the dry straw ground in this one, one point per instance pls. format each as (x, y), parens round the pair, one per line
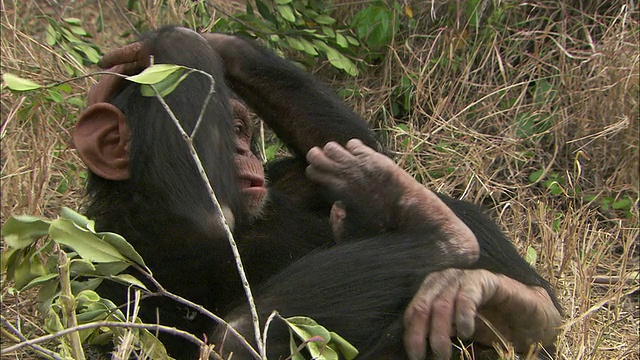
(468, 131)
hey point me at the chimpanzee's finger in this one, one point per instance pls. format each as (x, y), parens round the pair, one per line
(441, 322)
(475, 288)
(136, 52)
(418, 317)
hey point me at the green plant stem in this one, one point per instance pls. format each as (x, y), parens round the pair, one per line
(67, 301)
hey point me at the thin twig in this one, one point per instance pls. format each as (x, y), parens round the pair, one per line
(221, 218)
(155, 327)
(164, 292)
(37, 348)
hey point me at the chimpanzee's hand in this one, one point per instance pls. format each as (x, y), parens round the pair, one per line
(451, 299)
(128, 60)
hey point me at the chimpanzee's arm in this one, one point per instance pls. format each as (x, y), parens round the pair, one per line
(301, 110)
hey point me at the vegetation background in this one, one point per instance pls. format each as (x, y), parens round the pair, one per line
(528, 108)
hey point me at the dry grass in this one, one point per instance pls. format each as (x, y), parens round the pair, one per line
(467, 86)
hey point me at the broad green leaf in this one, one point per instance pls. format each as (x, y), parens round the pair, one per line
(50, 36)
(47, 294)
(347, 350)
(166, 86)
(309, 331)
(281, 2)
(352, 40)
(152, 346)
(341, 41)
(10, 258)
(87, 296)
(40, 280)
(21, 231)
(130, 280)
(324, 20)
(316, 336)
(286, 12)
(340, 61)
(294, 348)
(622, 204)
(535, 176)
(531, 257)
(122, 246)
(78, 286)
(29, 268)
(295, 43)
(73, 21)
(55, 96)
(91, 53)
(309, 48)
(264, 11)
(16, 83)
(328, 31)
(109, 269)
(88, 245)
(78, 219)
(52, 323)
(78, 30)
(154, 74)
(93, 315)
(81, 266)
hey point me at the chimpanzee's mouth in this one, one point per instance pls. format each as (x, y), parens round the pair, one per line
(246, 181)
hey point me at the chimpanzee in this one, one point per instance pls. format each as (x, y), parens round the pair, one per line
(144, 185)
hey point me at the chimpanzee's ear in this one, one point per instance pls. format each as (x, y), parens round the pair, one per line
(102, 139)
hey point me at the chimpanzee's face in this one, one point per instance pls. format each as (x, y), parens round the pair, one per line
(249, 170)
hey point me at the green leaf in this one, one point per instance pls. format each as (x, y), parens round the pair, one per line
(78, 219)
(154, 74)
(87, 296)
(167, 85)
(347, 350)
(81, 266)
(40, 280)
(28, 268)
(319, 341)
(535, 176)
(622, 204)
(55, 96)
(78, 30)
(328, 31)
(342, 41)
(21, 231)
(281, 2)
(264, 11)
(324, 20)
(52, 323)
(85, 243)
(92, 55)
(295, 43)
(122, 246)
(73, 21)
(340, 61)
(78, 286)
(151, 346)
(130, 280)
(374, 25)
(309, 48)
(109, 269)
(531, 256)
(16, 83)
(50, 36)
(286, 12)
(353, 41)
